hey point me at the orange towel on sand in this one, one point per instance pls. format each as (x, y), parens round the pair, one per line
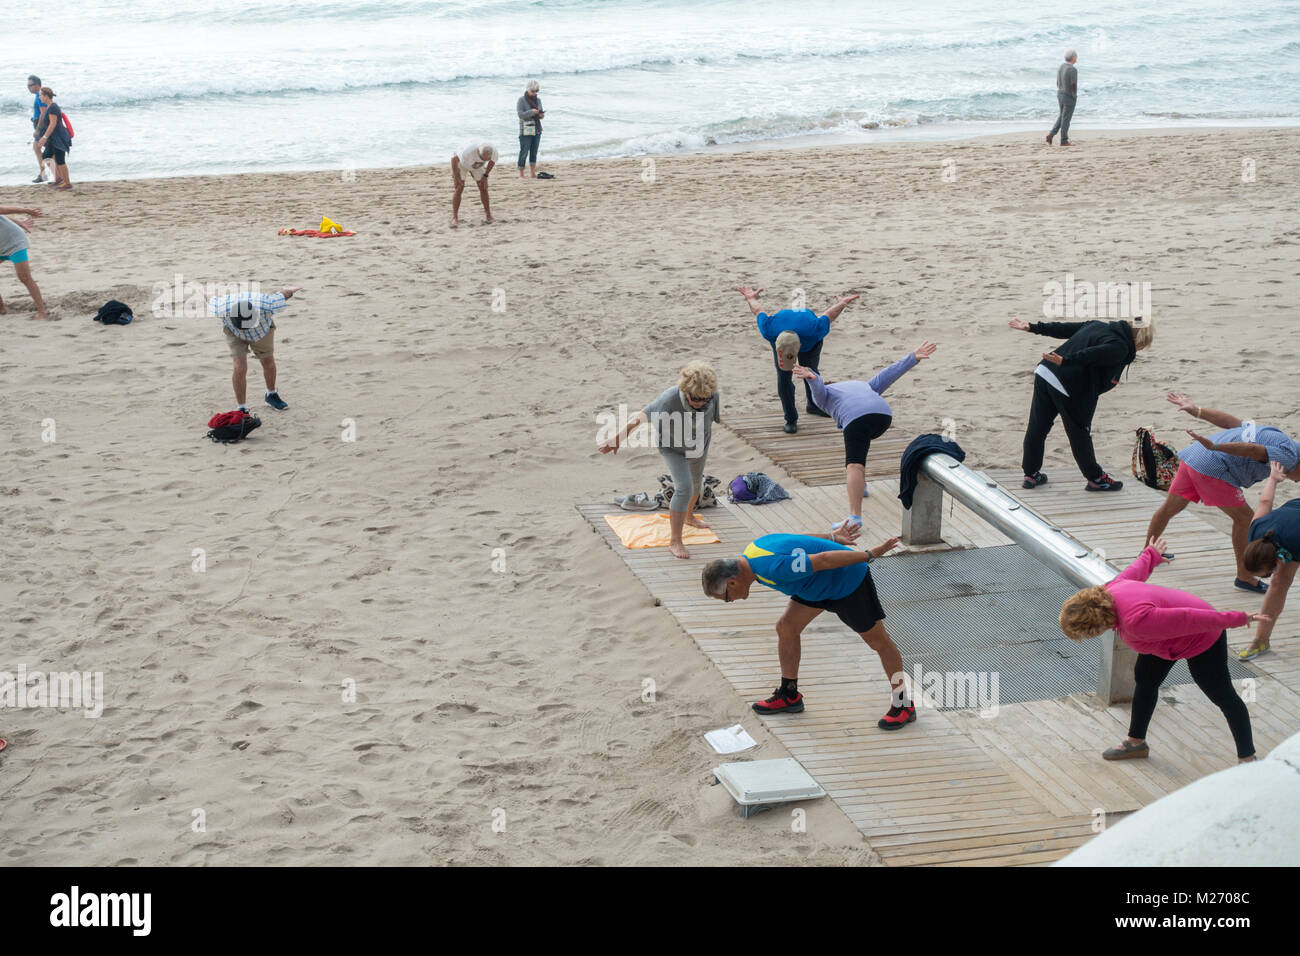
(651, 531)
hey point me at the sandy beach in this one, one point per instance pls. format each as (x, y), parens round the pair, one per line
(471, 365)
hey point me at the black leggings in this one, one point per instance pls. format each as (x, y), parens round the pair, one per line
(859, 433)
(1210, 671)
(528, 148)
(785, 380)
(1077, 419)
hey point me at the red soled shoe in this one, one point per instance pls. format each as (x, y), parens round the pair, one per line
(897, 717)
(778, 703)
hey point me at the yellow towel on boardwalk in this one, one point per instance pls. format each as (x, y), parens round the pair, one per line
(651, 531)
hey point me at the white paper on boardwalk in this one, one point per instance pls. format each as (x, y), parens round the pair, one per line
(730, 740)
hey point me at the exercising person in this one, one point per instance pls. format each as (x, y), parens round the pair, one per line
(1164, 626)
(818, 573)
(1214, 470)
(1069, 380)
(862, 415)
(796, 338)
(1274, 545)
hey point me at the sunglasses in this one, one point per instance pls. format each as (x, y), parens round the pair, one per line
(695, 400)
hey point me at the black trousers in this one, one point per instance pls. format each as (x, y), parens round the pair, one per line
(785, 380)
(1210, 671)
(1066, 102)
(1075, 415)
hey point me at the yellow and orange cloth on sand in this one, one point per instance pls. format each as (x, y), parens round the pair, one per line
(652, 531)
(328, 230)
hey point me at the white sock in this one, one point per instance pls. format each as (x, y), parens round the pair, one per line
(242, 408)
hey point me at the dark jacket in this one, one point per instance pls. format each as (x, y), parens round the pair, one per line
(1095, 355)
(921, 447)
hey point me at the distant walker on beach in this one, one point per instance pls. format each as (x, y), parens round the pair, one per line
(1067, 94)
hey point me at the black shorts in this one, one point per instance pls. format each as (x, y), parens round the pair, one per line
(859, 433)
(58, 155)
(861, 610)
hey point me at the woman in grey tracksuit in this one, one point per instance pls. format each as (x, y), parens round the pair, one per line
(530, 112)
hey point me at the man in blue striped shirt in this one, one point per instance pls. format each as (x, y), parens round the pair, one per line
(248, 324)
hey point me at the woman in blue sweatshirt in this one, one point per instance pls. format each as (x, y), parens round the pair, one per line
(862, 415)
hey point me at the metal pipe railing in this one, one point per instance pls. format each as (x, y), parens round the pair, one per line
(1047, 542)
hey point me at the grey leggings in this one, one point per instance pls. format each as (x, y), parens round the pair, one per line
(688, 477)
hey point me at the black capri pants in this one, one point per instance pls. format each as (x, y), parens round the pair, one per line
(860, 433)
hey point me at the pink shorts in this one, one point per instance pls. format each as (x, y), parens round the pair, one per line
(1194, 486)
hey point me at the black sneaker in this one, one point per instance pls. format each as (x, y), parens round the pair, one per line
(778, 703)
(1104, 483)
(814, 410)
(897, 717)
(39, 179)
(1034, 480)
(790, 428)
(275, 401)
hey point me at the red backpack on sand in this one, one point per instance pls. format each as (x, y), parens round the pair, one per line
(229, 427)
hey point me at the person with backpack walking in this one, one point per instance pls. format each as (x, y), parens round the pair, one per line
(1272, 552)
(796, 337)
(13, 248)
(248, 324)
(1164, 626)
(1068, 382)
(1214, 470)
(56, 139)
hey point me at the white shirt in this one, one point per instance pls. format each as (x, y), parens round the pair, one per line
(1043, 372)
(471, 162)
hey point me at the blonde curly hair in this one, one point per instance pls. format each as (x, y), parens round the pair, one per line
(698, 380)
(1088, 613)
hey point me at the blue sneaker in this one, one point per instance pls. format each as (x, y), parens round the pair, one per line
(275, 401)
(1259, 587)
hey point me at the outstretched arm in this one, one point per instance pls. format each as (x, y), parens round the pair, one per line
(835, 308)
(614, 441)
(828, 560)
(1276, 472)
(20, 211)
(1151, 558)
(887, 377)
(1213, 416)
(751, 298)
(1238, 449)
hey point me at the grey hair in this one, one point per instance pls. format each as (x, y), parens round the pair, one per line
(1070, 56)
(533, 86)
(717, 573)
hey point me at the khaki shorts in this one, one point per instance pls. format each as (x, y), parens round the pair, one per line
(262, 348)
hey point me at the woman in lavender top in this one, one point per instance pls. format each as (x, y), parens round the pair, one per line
(863, 415)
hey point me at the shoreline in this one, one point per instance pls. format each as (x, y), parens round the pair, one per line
(891, 138)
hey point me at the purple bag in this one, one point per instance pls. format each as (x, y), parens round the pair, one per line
(738, 490)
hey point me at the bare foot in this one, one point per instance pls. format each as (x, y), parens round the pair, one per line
(489, 220)
(679, 550)
(695, 521)
(3, 309)
(42, 315)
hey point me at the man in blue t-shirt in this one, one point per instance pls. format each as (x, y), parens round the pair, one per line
(796, 338)
(818, 573)
(1214, 470)
(34, 88)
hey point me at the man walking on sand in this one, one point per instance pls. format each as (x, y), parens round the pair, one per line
(1067, 94)
(476, 161)
(248, 324)
(34, 88)
(818, 573)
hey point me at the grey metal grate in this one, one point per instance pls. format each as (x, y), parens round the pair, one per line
(991, 611)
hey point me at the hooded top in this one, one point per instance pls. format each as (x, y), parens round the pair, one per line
(1094, 355)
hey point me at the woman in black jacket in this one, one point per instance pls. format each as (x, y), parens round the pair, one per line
(1068, 382)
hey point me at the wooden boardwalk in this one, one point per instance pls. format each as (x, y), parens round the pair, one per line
(1022, 787)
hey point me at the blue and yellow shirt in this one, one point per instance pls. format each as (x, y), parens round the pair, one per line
(783, 563)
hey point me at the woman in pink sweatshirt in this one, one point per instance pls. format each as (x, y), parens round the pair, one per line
(1164, 626)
